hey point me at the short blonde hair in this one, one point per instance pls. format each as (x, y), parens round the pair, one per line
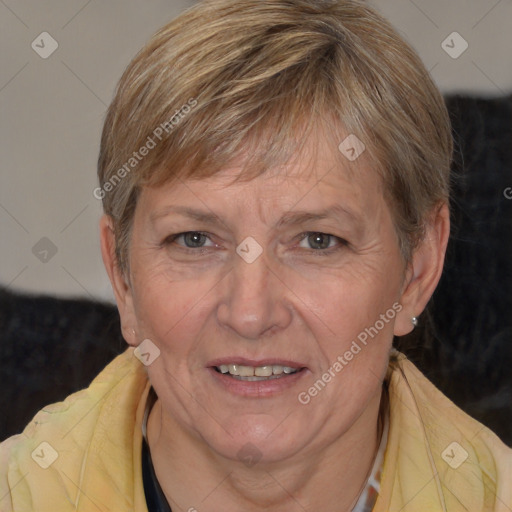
(234, 77)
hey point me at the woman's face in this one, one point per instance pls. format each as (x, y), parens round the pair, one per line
(299, 271)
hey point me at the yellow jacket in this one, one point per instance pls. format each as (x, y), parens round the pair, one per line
(84, 454)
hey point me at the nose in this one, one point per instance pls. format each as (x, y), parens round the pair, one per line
(254, 301)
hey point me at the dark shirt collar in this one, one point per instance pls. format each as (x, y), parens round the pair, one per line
(155, 498)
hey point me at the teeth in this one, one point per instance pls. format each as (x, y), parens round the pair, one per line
(243, 371)
(276, 370)
(258, 371)
(262, 371)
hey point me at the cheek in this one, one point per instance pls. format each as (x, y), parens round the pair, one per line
(343, 312)
(346, 300)
(351, 319)
(171, 310)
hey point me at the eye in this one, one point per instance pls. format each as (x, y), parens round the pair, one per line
(319, 241)
(191, 239)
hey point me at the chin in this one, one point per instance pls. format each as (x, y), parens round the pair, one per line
(256, 439)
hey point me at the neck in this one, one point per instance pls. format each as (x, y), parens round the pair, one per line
(192, 476)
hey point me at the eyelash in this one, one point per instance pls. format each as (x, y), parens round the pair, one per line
(172, 239)
(341, 243)
(317, 252)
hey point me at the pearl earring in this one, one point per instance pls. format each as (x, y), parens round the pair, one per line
(415, 321)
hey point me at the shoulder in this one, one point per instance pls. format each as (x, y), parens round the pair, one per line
(439, 414)
(53, 453)
(459, 460)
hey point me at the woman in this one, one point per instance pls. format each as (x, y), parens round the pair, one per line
(275, 179)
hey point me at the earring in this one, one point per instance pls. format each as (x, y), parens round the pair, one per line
(415, 321)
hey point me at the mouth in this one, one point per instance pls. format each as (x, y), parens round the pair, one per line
(256, 373)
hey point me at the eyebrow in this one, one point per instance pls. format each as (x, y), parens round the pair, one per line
(288, 219)
(185, 211)
(334, 211)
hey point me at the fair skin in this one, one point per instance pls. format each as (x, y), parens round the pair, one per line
(301, 303)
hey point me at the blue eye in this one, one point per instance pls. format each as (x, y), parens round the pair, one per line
(318, 241)
(192, 239)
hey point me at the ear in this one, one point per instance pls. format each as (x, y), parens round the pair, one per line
(120, 284)
(425, 269)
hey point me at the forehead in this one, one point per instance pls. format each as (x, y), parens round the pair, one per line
(318, 176)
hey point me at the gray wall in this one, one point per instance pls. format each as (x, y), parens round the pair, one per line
(51, 111)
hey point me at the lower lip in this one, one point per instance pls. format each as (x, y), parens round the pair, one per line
(261, 388)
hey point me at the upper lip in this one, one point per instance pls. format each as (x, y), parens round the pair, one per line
(242, 361)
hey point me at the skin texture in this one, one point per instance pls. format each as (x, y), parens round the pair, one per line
(296, 302)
